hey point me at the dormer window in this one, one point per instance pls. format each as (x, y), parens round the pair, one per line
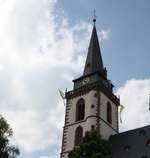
(148, 142)
(127, 148)
(142, 132)
(88, 65)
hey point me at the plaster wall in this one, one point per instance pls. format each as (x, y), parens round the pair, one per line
(92, 100)
(106, 130)
(103, 111)
(90, 122)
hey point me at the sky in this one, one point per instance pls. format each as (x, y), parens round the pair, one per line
(43, 47)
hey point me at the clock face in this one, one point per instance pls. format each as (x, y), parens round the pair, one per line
(105, 83)
(86, 80)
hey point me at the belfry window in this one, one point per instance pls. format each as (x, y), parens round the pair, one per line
(78, 136)
(109, 113)
(80, 110)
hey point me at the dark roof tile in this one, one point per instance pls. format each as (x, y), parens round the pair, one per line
(136, 142)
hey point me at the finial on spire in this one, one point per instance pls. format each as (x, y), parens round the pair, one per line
(94, 15)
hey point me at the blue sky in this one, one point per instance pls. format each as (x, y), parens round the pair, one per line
(129, 34)
(43, 47)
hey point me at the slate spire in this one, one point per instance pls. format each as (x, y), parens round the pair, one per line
(94, 61)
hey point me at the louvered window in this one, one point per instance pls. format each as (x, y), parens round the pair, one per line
(109, 113)
(80, 110)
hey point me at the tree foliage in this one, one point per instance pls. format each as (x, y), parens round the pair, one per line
(6, 151)
(92, 146)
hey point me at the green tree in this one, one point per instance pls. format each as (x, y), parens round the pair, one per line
(6, 151)
(92, 146)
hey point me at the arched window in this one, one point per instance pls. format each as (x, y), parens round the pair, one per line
(109, 113)
(78, 136)
(80, 110)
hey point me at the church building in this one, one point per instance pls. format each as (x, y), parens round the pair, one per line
(92, 104)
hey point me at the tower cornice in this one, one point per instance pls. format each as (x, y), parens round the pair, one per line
(93, 86)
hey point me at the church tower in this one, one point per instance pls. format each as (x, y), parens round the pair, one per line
(91, 103)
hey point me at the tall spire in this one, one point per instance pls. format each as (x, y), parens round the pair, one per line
(94, 61)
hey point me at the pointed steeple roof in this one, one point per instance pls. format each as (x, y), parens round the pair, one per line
(94, 61)
(94, 72)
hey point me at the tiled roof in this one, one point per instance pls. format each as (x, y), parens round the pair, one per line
(136, 140)
(94, 61)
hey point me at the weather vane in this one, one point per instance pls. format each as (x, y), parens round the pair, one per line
(94, 15)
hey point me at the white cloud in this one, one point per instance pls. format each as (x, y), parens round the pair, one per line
(38, 56)
(1, 67)
(55, 155)
(104, 34)
(135, 98)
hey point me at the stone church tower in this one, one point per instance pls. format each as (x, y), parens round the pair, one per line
(91, 103)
